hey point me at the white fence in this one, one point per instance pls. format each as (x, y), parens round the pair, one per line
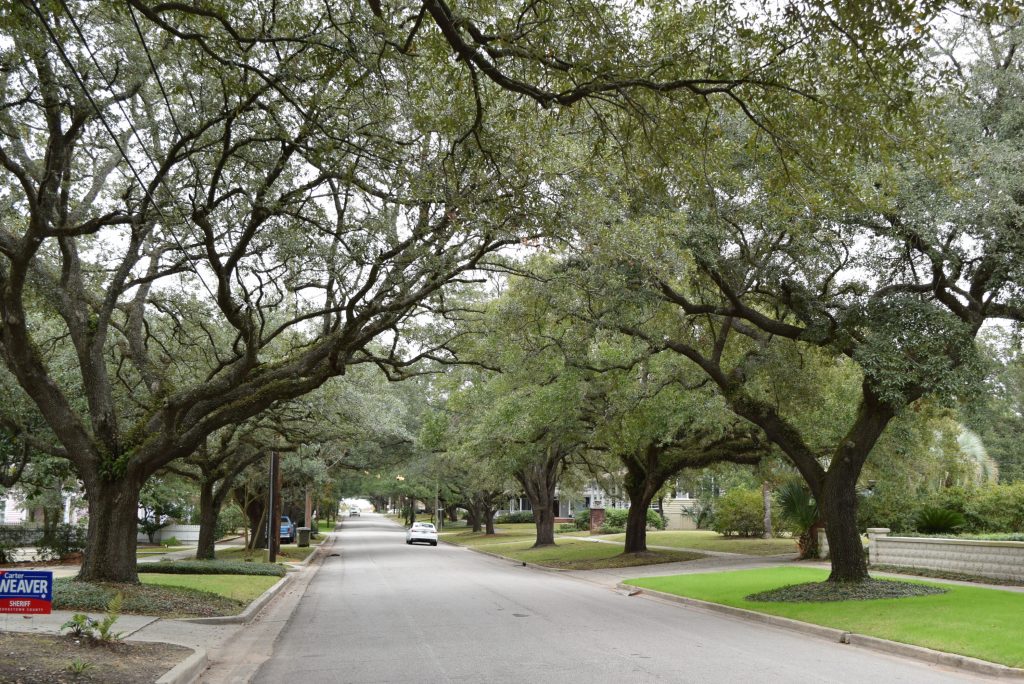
(186, 534)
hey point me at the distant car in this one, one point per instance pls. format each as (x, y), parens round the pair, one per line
(287, 530)
(354, 512)
(421, 532)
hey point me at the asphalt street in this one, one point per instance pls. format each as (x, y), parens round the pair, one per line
(382, 611)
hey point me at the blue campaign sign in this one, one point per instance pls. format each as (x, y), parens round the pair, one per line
(26, 591)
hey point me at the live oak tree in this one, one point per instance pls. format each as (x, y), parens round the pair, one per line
(167, 179)
(894, 269)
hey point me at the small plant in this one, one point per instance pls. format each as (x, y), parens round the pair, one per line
(172, 541)
(932, 520)
(105, 627)
(567, 527)
(81, 625)
(78, 667)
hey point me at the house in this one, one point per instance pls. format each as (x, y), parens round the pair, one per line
(14, 512)
(679, 508)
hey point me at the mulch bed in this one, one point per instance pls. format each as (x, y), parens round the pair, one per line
(30, 658)
(845, 591)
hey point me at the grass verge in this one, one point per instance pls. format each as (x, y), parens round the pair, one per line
(705, 540)
(970, 621)
(570, 554)
(240, 588)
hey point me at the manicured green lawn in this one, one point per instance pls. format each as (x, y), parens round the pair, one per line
(706, 540)
(971, 621)
(238, 587)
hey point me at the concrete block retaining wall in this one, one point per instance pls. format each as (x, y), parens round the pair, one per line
(995, 559)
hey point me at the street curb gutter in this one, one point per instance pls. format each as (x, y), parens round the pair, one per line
(250, 612)
(921, 653)
(187, 671)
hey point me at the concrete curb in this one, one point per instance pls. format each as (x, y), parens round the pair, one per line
(187, 671)
(251, 610)
(968, 664)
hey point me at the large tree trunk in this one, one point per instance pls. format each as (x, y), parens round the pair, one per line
(766, 496)
(489, 519)
(636, 526)
(209, 508)
(113, 526)
(643, 480)
(544, 518)
(539, 480)
(838, 505)
(256, 512)
(474, 516)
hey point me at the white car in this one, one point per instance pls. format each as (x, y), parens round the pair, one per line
(421, 532)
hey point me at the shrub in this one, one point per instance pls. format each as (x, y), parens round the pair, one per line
(611, 529)
(582, 519)
(518, 517)
(740, 511)
(887, 506)
(567, 527)
(214, 567)
(64, 541)
(655, 519)
(617, 517)
(938, 520)
(996, 508)
(988, 509)
(173, 541)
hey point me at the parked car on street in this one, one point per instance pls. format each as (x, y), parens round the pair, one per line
(287, 530)
(421, 532)
(354, 512)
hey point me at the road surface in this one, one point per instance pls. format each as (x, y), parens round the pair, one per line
(382, 611)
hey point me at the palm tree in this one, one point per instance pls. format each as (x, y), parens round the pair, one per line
(801, 511)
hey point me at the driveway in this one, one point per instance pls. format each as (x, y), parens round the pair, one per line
(382, 611)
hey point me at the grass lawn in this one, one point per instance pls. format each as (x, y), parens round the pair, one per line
(706, 540)
(242, 588)
(504, 534)
(971, 621)
(288, 552)
(567, 554)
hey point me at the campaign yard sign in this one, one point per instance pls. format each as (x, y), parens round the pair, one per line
(26, 591)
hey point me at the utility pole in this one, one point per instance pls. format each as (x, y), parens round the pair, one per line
(274, 521)
(438, 513)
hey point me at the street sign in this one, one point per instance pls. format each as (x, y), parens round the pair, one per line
(26, 591)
